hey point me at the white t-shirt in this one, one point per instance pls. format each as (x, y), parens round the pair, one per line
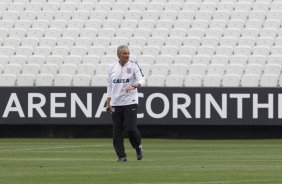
(121, 76)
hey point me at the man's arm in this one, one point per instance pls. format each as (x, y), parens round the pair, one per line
(109, 92)
(108, 104)
(139, 77)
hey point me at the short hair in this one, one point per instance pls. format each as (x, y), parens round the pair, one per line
(120, 48)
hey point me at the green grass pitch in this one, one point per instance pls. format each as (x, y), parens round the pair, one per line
(93, 161)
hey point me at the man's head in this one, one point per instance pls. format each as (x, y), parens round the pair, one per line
(123, 54)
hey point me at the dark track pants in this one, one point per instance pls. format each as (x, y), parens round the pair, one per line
(125, 120)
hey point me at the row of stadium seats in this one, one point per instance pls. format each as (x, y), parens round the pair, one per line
(164, 69)
(155, 15)
(141, 5)
(174, 80)
(144, 59)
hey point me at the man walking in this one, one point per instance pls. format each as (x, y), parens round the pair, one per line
(124, 78)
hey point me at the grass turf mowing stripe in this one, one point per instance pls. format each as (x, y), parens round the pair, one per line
(165, 161)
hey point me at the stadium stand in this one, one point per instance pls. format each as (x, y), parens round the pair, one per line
(176, 43)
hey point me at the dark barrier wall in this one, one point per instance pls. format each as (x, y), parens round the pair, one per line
(158, 106)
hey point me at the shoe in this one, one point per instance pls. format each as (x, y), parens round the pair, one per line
(121, 159)
(139, 152)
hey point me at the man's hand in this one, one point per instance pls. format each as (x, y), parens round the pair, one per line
(129, 88)
(108, 109)
(108, 105)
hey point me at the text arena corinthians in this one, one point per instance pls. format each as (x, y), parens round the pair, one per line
(169, 105)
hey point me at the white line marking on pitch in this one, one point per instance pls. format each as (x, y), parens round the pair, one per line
(48, 148)
(221, 182)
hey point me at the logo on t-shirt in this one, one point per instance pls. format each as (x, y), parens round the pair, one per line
(121, 81)
(128, 70)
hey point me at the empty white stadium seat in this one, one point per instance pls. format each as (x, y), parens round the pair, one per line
(48, 42)
(102, 69)
(119, 41)
(96, 50)
(174, 40)
(193, 80)
(75, 23)
(269, 80)
(238, 59)
(84, 41)
(12, 41)
(261, 49)
(110, 24)
(7, 51)
(231, 80)
(35, 32)
(86, 68)
(54, 6)
(250, 80)
(157, 69)
(179, 69)
(253, 69)
(212, 80)
(3, 59)
(169, 50)
(174, 80)
(187, 50)
(272, 69)
(60, 50)
(91, 59)
(202, 59)
(31, 69)
(73, 59)
(183, 59)
(25, 80)
(249, 41)
(8, 79)
(133, 14)
(46, 14)
(156, 80)
(164, 59)
(182, 23)
(63, 80)
(146, 59)
(275, 59)
(18, 59)
(199, 69)
(257, 59)
(30, 41)
(67, 68)
(43, 51)
(151, 50)
(5, 26)
(109, 59)
(228, 41)
(54, 59)
(242, 50)
(236, 69)
(99, 80)
(49, 68)
(138, 41)
(78, 50)
(224, 50)
(44, 80)
(220, 59)
(217, 26)
(12, 69)
(216, 69)
(81, 80)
